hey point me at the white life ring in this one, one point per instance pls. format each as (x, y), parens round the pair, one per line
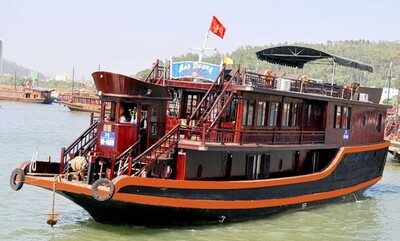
(103, 182)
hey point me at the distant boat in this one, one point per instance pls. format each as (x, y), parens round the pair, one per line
(80, 102)
(29, 93)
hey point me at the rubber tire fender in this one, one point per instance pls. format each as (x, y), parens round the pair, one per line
(102, 182)
(17, 179)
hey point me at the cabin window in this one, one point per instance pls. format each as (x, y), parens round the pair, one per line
(173, 107)
(273, 114)
(153, 122)
(108, 109)
(378, 123)
(295, 114)
(191, 103)
(248, 112)
(313, 115)
(244, 113)
(231, 110)
(261, 113)
(346, 117)
(338, 116)
(286, 114)
(342, 117)
(308, 119)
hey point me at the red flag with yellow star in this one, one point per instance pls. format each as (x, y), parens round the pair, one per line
(217, 27)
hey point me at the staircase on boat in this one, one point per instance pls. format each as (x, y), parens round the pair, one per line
(80, 147)
(131, 164)
(215, 101)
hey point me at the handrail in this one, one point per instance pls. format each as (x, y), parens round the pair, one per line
(155, 66)
(131, 151)
(155, 151)
(158, 72)
(300, 85)
(267, 137)
(80, 146)
(216, 101)
(207, 94)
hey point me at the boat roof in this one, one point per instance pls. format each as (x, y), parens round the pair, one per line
(118, 85)
(41, 89)
(297, 56)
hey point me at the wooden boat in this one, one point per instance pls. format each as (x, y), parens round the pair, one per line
(392, 133)
(243, 146)
(32, 94)
(81, 102)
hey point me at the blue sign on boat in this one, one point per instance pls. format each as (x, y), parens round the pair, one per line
(107, 138)
(192, 69)
(346, 135)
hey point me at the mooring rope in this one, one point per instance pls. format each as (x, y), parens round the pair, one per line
(57, 178)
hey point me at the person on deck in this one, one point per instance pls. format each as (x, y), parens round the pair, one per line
(143, 132)
(123, 115)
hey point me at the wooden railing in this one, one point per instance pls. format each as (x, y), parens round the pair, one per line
(221, 101)
(297, 85)
(146, 160)
(268, 137)
(81, 146)
(123, 161)
(158, 74)
(204, 107)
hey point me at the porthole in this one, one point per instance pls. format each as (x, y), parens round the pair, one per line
(280, 164)
(199, 171)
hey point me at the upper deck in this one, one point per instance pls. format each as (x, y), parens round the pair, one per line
(271, 109)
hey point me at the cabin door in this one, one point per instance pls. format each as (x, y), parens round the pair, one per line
(153, 123)
(257, 166)
(314, 161)
(227, 166)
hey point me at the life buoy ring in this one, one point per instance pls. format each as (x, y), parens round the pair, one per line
(103, 182)
(17, 179)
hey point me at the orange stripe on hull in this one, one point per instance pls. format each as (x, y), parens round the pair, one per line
(221, 185)
(251, 204)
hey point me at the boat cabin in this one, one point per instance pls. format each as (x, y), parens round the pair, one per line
(241, 126)
(132, 117)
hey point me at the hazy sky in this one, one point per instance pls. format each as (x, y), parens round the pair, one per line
(127, 36)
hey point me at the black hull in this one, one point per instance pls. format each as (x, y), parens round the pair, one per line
(354, 173)
(122, 213)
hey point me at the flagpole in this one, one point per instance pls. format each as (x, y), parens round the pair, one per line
(204, 46)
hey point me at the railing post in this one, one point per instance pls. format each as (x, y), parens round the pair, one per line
(62, 161)
(203, 133)
(301, 136)
(129, 171)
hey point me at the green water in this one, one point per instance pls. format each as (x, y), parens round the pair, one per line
(50, 127)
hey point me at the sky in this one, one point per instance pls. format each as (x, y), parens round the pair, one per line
(127, 36)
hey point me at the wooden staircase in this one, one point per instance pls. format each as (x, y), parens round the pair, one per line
(80, 147)
(215, 101)
(162, 150)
